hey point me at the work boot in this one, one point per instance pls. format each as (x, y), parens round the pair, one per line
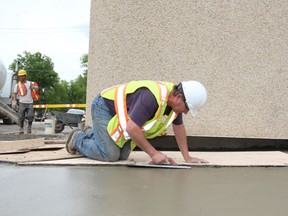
(21, 130)
(29, 129)
(70, 144)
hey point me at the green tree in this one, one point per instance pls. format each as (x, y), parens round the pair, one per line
(77, 87)
(59, 93)
(84, 64)
(77, 90)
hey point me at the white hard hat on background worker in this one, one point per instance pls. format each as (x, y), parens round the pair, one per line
(195, 95)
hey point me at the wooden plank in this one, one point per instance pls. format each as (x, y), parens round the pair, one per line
(216, 159)
(14, 151)
(55, 141)
(36, 156)
(19, 145)
(51, 147)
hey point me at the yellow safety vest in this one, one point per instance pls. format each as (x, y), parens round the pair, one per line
(152, 128)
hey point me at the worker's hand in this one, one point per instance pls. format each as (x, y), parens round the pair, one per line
(196, 160)
(33, 87)
(14, 104)
(160, 158)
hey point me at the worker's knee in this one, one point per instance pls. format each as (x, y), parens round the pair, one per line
(113, 158)
(30, 119)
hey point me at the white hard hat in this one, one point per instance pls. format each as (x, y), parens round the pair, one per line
(195, 95)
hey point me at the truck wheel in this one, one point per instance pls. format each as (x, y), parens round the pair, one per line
(7, 121)
(59, 126)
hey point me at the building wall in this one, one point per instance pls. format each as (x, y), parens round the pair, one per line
(237, 49)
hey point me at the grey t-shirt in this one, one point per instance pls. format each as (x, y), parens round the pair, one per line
(142, 106)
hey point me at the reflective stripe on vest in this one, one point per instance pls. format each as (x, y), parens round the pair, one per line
(121, 109)
(22, 90)
(174, 115)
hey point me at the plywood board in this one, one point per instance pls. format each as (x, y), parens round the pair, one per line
(14, 151)
(20, 145)
(55, 142)
(36, 156)
(51, 147)
(216, 159)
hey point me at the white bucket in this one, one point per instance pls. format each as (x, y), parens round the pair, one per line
(49, 126)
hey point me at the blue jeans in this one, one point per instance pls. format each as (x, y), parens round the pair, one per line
(98, 144)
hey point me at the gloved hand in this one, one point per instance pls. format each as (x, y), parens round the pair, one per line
(14, 104)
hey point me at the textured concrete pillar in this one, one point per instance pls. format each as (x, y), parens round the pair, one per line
(237, 49)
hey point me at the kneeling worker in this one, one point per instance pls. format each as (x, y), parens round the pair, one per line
(127, 115)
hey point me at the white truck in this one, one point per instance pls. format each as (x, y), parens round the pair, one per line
(8, 79)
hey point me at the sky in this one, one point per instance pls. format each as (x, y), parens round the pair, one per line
(58, 29)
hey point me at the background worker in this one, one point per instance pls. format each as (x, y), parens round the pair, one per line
(26, 92)
(127, 115)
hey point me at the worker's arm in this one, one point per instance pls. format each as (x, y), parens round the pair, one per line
(14, 93)
(14, 102)
(181, 139)
(14, 96)
(138, 137)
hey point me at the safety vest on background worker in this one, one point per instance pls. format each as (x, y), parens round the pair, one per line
(152, 128)
(35, 91)
(22, 90)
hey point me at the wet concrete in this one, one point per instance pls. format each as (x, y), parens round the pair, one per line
(118, 191)
(122, 191)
